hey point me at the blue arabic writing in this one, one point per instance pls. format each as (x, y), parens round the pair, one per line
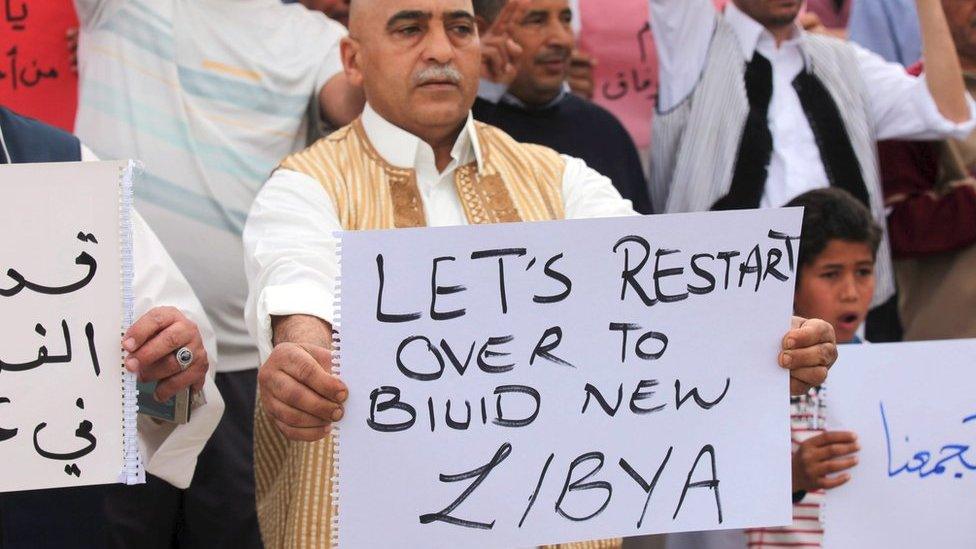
(921, 462)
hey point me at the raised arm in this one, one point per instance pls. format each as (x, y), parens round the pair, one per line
(942, 69)
(682, 33)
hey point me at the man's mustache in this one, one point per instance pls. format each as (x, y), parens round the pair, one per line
(553, 56)
(444, 73)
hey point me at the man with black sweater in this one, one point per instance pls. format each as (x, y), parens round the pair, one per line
(536, 105)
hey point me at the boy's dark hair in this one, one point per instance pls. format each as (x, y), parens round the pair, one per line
(833, 214)
(488, 9)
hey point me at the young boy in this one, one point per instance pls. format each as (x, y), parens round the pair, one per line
(835, 282)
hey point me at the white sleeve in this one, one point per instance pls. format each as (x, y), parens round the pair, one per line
(87, 155)
(170, 451)
(901, 106)
(587, 194)
(682, 31)
(289, 254)
(92, 13)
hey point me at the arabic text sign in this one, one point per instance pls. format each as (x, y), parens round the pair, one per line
(60, 325)
(36, 78)
(524, 384)
(912, 406)
(618, 36)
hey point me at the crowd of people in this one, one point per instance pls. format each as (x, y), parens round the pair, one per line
(264, 127)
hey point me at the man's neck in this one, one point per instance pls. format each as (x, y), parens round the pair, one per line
(442, 144)
(781, 33)
(536, 101)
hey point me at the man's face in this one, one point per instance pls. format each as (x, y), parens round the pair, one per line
(962, 23)
(838, 287)
(771, 13)
(336, 9)
(546, 37)
(418, 61)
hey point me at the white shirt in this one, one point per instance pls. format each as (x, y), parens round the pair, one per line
(901, 106)
(289, 245)
(170, 451)
(210, 95)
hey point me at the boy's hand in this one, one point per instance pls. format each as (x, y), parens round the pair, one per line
(809, 350)
(825, 454)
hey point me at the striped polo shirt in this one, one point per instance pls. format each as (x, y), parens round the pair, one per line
(210, 95)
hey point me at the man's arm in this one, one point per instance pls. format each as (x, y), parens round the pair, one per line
(919, 109)
(942, 68)
(164, 299)
(290, 259)
(298, 389)
(340, 102)
(683, 30)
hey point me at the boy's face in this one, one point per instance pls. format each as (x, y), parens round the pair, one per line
(837, 287)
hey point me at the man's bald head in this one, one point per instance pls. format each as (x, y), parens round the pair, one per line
(358, 10)
(418, 60)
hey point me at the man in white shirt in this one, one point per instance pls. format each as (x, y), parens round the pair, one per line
(169, 317)
(754, 111)
(414, 159)
(209, 95)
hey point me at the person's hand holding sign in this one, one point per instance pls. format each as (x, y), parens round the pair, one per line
(499, 52)
(809, 350)
(297, 388)
(165, 346)
(818, 460)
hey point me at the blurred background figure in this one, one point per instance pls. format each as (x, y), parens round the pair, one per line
(535, 105)
(759, 111)
(210, 95)
(931, 192)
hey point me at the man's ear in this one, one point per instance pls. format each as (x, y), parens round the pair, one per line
(351, 60)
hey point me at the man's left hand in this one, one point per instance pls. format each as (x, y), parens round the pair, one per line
(809, 350)
(152, 342)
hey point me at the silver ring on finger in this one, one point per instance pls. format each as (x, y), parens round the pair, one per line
(184, 357)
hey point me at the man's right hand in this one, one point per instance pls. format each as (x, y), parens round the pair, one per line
(299, 391)
(499, 52)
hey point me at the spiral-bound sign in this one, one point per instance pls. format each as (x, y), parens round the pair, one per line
(525, 384)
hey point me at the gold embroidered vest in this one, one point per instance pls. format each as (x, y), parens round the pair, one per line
(517, 182)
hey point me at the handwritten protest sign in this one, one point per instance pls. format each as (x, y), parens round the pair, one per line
(36, 78)
(520, 384)
(62, 281)
(912, 406)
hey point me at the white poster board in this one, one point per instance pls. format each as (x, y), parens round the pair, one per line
(912, 406)
(61, 318)
(477, 358)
